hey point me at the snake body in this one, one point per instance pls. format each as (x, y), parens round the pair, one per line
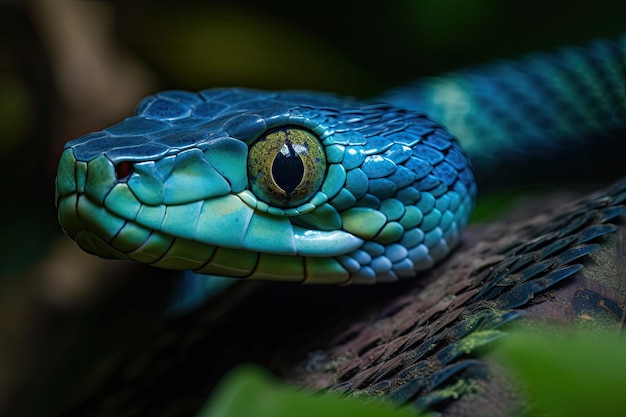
(318, 188)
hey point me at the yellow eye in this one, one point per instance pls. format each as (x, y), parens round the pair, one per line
(286, 166)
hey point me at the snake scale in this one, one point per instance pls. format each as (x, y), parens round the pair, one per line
(317, 188)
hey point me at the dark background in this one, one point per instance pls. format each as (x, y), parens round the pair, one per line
(70, 67)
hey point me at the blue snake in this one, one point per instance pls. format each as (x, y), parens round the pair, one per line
(318, 188)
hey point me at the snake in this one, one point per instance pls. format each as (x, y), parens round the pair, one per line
(318, 188)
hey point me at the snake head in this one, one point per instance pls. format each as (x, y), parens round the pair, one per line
(284, 186)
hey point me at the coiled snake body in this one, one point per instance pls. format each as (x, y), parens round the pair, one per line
(318, 188)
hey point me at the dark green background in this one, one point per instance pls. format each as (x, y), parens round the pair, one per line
(354, 48)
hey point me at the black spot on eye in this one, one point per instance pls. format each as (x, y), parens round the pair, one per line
(123, 170)
(288, 168)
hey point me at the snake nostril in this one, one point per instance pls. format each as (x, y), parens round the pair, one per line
(123, 170)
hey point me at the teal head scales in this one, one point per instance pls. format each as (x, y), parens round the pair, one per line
(286, 186)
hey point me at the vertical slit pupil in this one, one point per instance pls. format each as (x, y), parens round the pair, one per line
(287, 168)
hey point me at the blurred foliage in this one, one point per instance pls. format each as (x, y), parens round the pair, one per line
(250, 391)
(493, 206)
(202, 46)
(568, 374)
(564, 373)
(348, 47)
(16, 107)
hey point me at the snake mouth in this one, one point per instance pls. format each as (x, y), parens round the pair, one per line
(102, 232)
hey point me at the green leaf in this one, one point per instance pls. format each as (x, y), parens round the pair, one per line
(569, 374)
(250, 391)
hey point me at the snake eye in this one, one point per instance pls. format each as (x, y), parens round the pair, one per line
(286, 166)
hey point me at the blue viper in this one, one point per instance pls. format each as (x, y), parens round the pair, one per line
(317, 188)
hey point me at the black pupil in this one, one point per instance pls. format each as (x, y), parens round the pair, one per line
(287, 168)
